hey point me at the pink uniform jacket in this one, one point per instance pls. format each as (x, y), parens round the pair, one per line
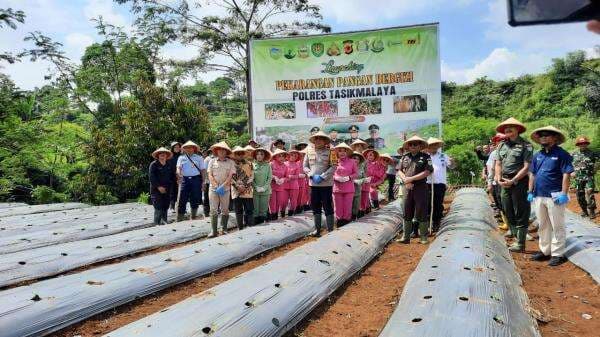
(376, 171)
(279, 171)
(294, 168)
(345, 168)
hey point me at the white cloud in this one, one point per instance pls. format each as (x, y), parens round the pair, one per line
(500, 64)
(106, 9)
(75, 43)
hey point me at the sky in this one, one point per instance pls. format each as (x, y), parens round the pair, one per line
(475, 39)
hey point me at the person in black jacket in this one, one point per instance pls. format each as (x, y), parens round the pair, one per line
(176, 151)
(161, 182)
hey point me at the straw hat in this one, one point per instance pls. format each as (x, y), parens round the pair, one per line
(249, 148)
(320, 134)
(238, 149)
(365, 152)
(582, 140)
(498, 137)
(358, 142)
(265, 151)
(536, 138)
(433, 141)
(220, 145)
(298, 153)
(360, 156)
(415, 139)
(278, 152)
(344, 146)
(189, 143)
(400, 149)
(511, 122)
(387, 157)
(162, 150)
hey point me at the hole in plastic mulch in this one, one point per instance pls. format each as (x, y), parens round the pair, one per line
(206, 330)
(277, 285)
(275, 321)
(416, 320)
(303, 271)
(427, 297)
(248, 304)
(98, 247)
(334, 251)
(22, 263)
(467, 268)
(499, 320)
(463, 298)
(431, 280)
(64, 254)
(325, 262)
(36, 298)
(434, 266)
(349, 245)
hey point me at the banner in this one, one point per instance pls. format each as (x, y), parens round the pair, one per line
(382, 86)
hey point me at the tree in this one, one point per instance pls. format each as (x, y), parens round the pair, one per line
(9, 17)
(229, 35)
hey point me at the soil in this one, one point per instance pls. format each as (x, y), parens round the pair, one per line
(362, 307)
(113, 319)
(573, 205)
(560, 295)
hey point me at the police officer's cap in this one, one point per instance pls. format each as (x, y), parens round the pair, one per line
(373, 127)
(315, 129)
(279, 141)
(353, 128)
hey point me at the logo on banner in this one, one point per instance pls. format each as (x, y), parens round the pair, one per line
(362, 46)
(289, 54)
(377, 46)
(303, 51)
(317, 49)
(275, 53)
(333, 50)
(331, 68)
(348, 47)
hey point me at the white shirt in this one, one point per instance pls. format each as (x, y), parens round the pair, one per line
(491, 165)
(441, 162)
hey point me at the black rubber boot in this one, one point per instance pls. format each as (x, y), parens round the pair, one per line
(164, 217)
(157, 217)
(224, 222)
(273, 216)
(180, 217)
(317, 220)
(329, 221)
(194, 213)
(248, 220)
(361, 214)
(376, 204)
(283, 213)
(239, 219)
(291, 212)
(306, 208)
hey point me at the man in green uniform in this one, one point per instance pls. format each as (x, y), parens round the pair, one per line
(511, 173)
(415, 167)
(584, 162)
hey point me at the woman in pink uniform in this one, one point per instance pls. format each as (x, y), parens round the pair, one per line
(343, 184)
(376, 170)
(294, 175)
(279, 198)
(371, 155)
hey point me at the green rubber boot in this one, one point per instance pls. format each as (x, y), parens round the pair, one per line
(213, 224)
(317, 220)
(224, 222)
(329, 221)
(406, 231)
(423, 231)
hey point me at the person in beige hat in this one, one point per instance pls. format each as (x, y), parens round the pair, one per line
(343, 184)
(549, 178)
(242, 191)
(263, 175)
(585, 162)
(357, 212)
(437, 181)
(220, 173)
(513, 158)
(319, 168)
(190, 172)
(161, 181)
(415, 167)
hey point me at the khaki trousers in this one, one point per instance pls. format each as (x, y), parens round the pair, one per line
(218, 202)
(552, 232)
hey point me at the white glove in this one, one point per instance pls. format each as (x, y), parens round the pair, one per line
(279, 181)
(367, 180)
(358, 181)
(344, 179)
(302, 176)
(260, 189)
(306, 171)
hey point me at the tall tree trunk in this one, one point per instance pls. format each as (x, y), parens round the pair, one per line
(249, 91)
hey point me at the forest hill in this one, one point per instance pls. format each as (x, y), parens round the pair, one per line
(344, 93)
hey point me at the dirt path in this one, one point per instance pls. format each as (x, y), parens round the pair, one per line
(573, 205)
(362, 307)
(123, 315)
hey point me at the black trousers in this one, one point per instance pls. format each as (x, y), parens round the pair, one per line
(244, 211)
(191, 190)
(173, 192)
(416, 204)
(439, 191)
(205, 201)
(161, 203)
(496, 191)
(391, 178)
(321, 197)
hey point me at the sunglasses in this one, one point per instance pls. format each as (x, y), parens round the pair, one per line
(545, 134)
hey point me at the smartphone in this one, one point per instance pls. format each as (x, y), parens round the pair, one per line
(538, 12)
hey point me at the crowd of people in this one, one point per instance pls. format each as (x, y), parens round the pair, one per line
(341, 181)
(520, 180)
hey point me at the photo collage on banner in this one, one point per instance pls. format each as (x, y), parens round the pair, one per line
(385, 84)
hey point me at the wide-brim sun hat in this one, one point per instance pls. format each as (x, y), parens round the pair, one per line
(498, 137)
(361, 157)
(220, 145)
(536, 137)
(582, 140)
(366, 152)
(162, 150)
(320, 134)
(189, 143)
(415, 139)
(400, 149)
(238, 149)
(434, 141)
(358, 142)
(266, 152)
(278, 152)
(344, 147)
(511, 122)
(249, 148)
(297, 152)
(387, 157)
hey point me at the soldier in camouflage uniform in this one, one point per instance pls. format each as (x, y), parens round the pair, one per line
(584, 161)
